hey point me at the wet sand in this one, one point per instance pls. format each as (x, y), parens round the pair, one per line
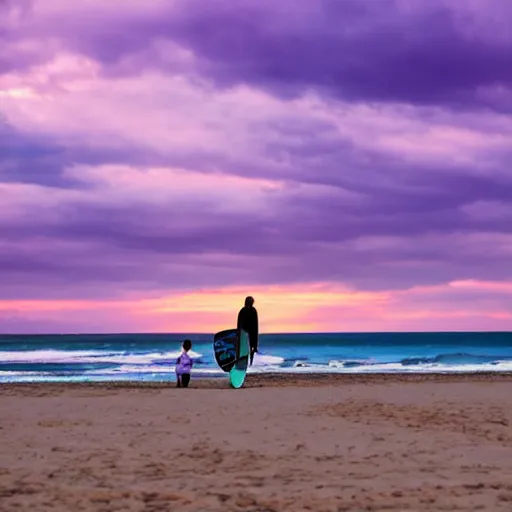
(283, 443)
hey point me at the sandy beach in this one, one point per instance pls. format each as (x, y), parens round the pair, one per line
(322, 443)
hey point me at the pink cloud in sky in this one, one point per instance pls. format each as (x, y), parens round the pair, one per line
(294, 308)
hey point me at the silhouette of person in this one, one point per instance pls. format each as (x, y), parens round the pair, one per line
(248, 321)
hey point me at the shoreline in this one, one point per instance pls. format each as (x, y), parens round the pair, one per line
(270, 380)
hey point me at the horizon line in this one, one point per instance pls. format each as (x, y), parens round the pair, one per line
(198, 333)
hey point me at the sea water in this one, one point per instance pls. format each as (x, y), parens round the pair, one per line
(152, 357)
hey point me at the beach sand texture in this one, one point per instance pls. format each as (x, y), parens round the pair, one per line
(337, 443)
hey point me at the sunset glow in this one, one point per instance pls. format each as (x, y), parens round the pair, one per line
(320, 307)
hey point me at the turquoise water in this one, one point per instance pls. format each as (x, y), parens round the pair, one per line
(151, 357)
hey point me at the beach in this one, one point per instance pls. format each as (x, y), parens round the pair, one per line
(281, 443)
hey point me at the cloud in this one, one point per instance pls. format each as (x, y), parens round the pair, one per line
(441, 53)
(445, 52)
(156, 147)
(151, 229)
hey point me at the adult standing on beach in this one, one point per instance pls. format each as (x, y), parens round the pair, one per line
(248, 321)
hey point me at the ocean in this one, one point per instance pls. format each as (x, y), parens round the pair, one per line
(151, 357)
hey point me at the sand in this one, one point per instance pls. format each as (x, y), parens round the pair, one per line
(318, 443)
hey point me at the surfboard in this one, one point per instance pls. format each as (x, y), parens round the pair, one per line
(231, 356)
(224, 348)
(239, 370)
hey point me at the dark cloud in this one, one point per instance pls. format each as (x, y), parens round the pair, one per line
(366, 52)
(30, 159)
(437, 53)
(26, 157)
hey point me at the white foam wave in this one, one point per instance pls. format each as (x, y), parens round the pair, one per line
(89, 356)
(124, 374)
(17, 374)
(68, 378)
(39, 356)
(347, 362)
(499, 366)
(265, 359)
(154, 357)
(149, 369)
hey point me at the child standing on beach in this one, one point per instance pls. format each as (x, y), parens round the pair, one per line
(184, 366)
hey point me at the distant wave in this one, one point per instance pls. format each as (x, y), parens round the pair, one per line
(350, 363)
(453, 359)
(33, 356)
(496, 366)
(265, 359)
(89, 356)
(458, 358)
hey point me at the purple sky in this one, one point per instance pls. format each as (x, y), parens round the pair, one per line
(150, 148)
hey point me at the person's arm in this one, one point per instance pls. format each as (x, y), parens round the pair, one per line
(239, 321)
(256, 329)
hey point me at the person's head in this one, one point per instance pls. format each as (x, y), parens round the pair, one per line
(187, 345)
(249, 301)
